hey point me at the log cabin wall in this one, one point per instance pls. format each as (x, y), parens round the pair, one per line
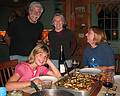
(77, 14)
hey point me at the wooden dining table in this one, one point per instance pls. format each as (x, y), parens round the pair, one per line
(116, 87)
(99, 91)
(77, 94)
(26, 94)
(94, 92)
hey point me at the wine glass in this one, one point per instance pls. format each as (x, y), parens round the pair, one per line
(75, 65)
(108, 80)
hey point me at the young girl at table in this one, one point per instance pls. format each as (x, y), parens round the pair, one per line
(33, 67)
(98, 53)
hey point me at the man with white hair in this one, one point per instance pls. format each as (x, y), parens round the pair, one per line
(24, 32)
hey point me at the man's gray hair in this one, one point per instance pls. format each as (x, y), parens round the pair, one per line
(35, 3)
(62, 17)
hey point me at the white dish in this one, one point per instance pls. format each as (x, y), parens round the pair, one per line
(117, 77)
(51, 78)
(92, 71)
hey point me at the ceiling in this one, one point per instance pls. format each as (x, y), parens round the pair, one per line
(16, 3)
(105, 1)
(13, 3)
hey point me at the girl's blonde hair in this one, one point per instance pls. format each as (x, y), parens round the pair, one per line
(99, 36)
(38, 49)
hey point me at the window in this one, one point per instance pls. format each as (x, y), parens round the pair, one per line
(109, 19)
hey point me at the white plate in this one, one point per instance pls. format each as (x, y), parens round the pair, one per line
(117, 77)
(51, 78)
(92, 71)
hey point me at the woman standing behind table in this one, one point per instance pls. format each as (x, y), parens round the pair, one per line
(32, 68)
(98, 53)
(61, 35)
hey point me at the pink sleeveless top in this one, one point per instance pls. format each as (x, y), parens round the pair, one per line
(26, 72)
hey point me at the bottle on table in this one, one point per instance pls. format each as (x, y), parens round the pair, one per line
(62, 63)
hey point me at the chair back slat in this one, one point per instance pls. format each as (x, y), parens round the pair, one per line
(4, 75)
(117, 64)
(6, 70)
(1, 80)
(13, 69)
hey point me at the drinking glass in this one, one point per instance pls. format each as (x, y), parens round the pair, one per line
(108, 80)
(2, 91)
(75, 65)
(47, 84)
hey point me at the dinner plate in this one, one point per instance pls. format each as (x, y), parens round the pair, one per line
(51, 78)
(92, 71)
(117, 79)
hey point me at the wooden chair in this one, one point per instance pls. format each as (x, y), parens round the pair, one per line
(117, 64)
(6, 70)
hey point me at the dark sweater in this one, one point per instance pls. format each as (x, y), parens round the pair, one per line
(24, 36)
(66, 38)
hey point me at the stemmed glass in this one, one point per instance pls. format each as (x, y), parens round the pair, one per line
(108, 80)
(75, 65)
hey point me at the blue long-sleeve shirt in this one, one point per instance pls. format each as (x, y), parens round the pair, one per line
(102, 55)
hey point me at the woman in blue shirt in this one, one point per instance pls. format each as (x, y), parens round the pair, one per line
(98, 53)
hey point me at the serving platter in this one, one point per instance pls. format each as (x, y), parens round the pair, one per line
(68, 83)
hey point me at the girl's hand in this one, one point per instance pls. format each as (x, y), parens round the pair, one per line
(49, 61)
